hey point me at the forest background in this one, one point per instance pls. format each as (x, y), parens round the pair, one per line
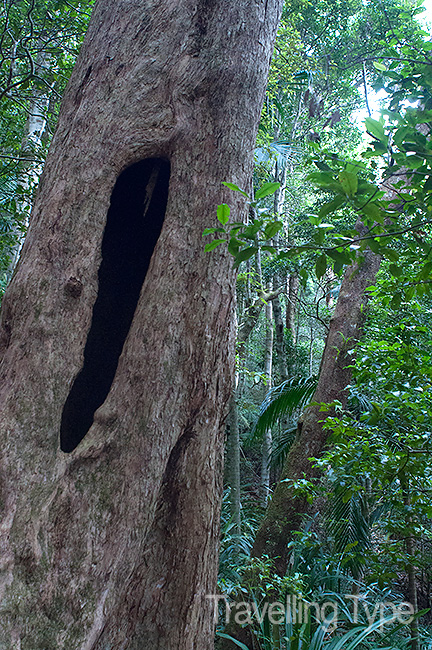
(334, 309)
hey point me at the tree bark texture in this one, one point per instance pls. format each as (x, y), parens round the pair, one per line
(286, 510)
(114, 545)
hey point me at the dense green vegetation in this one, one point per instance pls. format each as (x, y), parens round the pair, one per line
(332, 181)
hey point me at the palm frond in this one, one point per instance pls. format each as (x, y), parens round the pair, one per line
(282, 152)
(282, 401)
(280, 447)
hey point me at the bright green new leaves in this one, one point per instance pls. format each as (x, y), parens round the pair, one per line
(266, 189)
(223, 213)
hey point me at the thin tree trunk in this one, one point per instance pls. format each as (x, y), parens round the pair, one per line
(279, 339)
(293, 288)
(267, 442)
(410, 569)
(32, 141)
(110, 541)
(286, 510)
(232, 473)
(233, 464)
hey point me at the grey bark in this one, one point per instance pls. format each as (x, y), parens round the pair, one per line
(114, 545)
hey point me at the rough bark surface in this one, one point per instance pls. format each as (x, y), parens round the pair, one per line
(114, 545)
(286, 510)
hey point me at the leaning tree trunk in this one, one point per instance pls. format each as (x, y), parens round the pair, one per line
(117, 330)
(286, 510)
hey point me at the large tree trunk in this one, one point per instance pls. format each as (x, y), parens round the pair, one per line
(286, 510)
(111, 540)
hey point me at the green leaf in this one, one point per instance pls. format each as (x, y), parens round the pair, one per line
(281, 402)
(321, 266)
(396, 271)
(272, 228)
(426, 271)
(349, 182)
(390, 254)
(373, 211)
(396, 301)
(379, 66)
(234, 246)
(245, 254)
(427, 187)
(375, 129)
(323, 166)
(266, 189)
(211, 245)
(414, 162)
(223, 213)
(331, 206)
(237, 643)
(235, 188)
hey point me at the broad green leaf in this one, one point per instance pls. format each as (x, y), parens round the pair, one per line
(234, 246)
(373, 211)
(426, 271)
(331, 206)
(379, 66)
(323, 166)
(395, 270)
(211, 245)
(266, 189)
(252, 229)
(414, 162)
(223, 213)
(390, 254)
(235, 188)
(349, 182)
(321, 266)
(375, 129)
(245, 254)
(210, 231)
(272, 228)
(427, 187)
(321, 178)
(395, 302)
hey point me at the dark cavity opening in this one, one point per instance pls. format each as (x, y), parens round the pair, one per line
(134, 223)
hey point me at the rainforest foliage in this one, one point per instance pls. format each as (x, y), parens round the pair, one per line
(343, 170)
